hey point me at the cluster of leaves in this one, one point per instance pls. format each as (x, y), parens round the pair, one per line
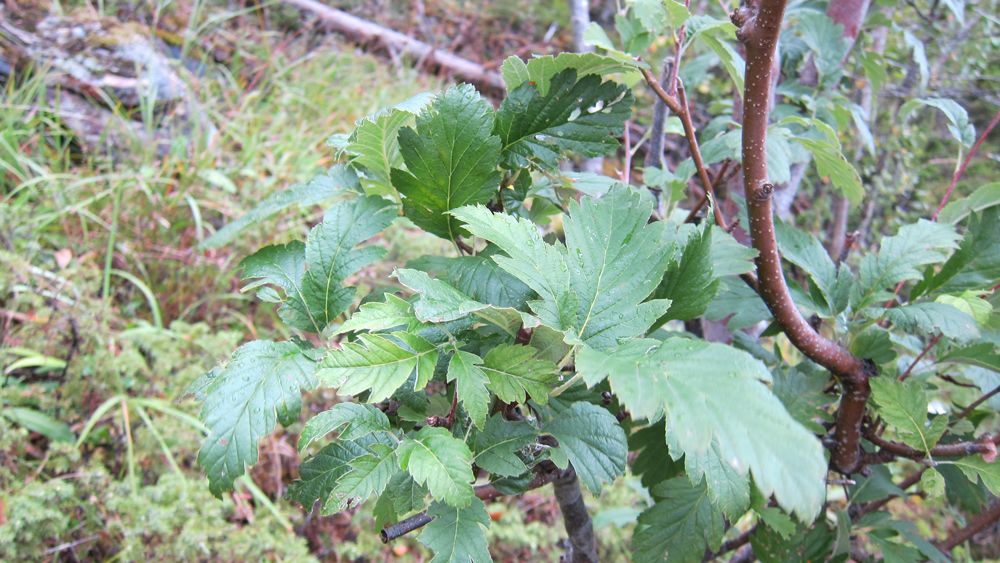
(528, 350)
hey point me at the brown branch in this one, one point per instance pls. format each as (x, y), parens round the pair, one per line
(731, 545)
(983, 445)
(759, 24)
(576, 518)
(483, 493)
(920, 357)
(978, 524)
(680, 107)
(704, 197)
(977, 402)
(961, 169)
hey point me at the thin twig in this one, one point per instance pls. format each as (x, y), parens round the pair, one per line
(731, 545)
(978, 402)
(704, 197)
(978, 524)
(984, 445)
(930, 345)
(961, 169)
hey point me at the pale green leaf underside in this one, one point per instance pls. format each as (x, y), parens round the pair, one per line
(354, 420)
(707, 390)
(433, 457)
(379, 364)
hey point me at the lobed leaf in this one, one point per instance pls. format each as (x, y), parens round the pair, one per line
(679, 526)
(593, 441)
(380, 364)
(456, 534)
(433, 457)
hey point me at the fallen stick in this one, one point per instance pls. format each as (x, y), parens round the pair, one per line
(363, 31)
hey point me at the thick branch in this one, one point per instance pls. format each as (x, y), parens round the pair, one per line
(978, 524)
(759, 24)
(579, 526)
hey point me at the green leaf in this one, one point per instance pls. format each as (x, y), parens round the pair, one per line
(40, 422)
(874, 66)
(319, 474)
(910, 531)
(311, 274)
(483, 280)
(729, 257)
(971, 303)
(496, 444)
(585, 116)
(596, 36)
(515, 373)
(659, 15)
(983, 198)
(611, 263)
(805, 545)
(737, 301)
(331, 256)
(961, 129)
(979, 355)
(433, 457)
(919, 57)
(654, 462)
(471, 385)
(777, 521)
(914, 246)
(375, 316)
(407, 495)
(803, 396)
(540, 70)
(903, 404)
(727, 487)
(456, 534)
(893, 552)
(451, 160)
(323, 187)
(679, 525)
(709, 390)
(931, 317)
(730, 57)
(354, 421)
(375, 140)
(874, 343)
(976, 467)
(807, 252)
(380, 365)
(831, 162)
(690, 284)
(976, 263)
(369, 475)
(261, 384)
(593, 441)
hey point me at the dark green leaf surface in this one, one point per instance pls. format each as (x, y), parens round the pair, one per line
(456, 534)
(261, 384)
(679, 525)
(515, 373)
(496, 444)
(433, 457)
(451, 160)
(593, 441)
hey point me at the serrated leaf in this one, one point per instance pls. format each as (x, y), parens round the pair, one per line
(976, 467)
(983, 198)
(540, 70)
(407, 495)
(679, 526)
(433, 457)
(915, 245)
(893, 552)
(961, 129)
(483, 280)
(456, 534)
(738, 302)
(807, 252)
(352, 419)
(731, 61)
(707, 390)
(323, 187)
(831, 162)
(931, 317)
(874, 66)
(874, 343)
(659, 15)
(369, 475)
(593, 441)
(496, 444)
(903, 404)
(976, 263)
(311, 274)
(910, 531)
(805, 545)
(375, 140)
(380, 365)
(515, 373)
(261, 385)
(451, 160)
(611, 263)
(689, 283)
(971, 303)
(803, 396)
(727, 487)
(654, 462)
(318, 474)
(376, 316)
(470, 385)
(331, 256)
(584, 116)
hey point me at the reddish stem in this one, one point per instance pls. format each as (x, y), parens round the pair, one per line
(920, 357)
(961, 169)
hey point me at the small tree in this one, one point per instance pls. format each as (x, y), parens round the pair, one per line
(536, 356)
